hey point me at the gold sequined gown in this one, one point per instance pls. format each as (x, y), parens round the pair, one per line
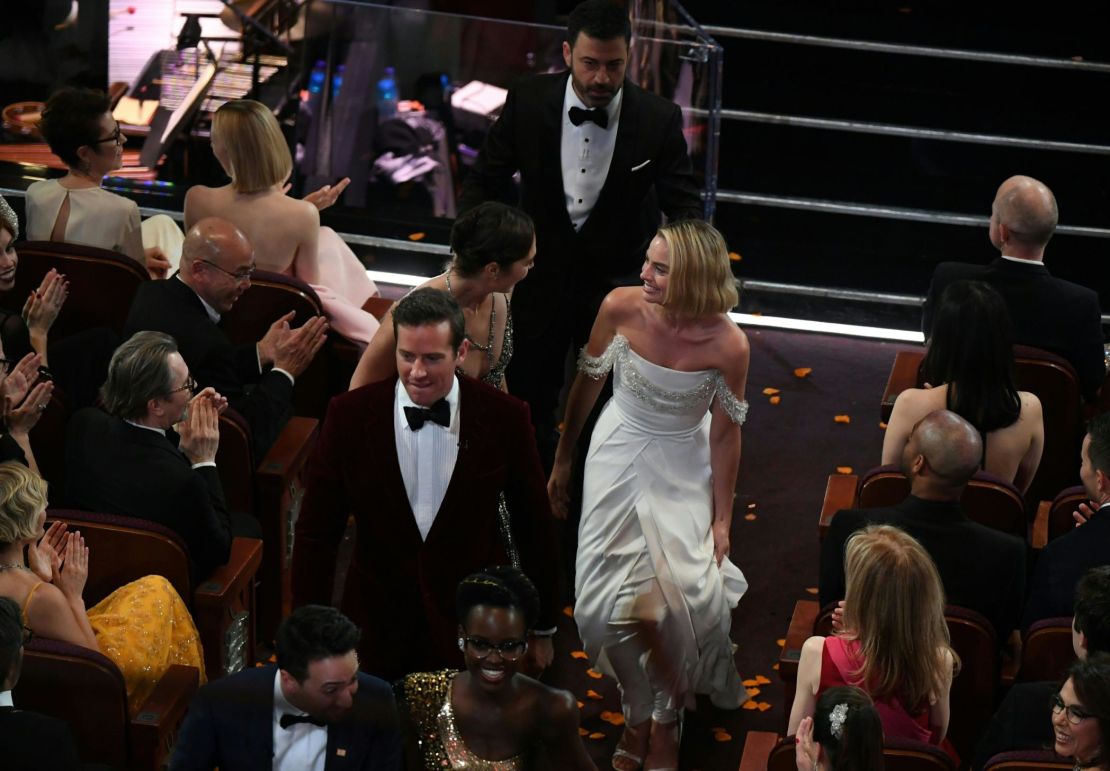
(425, 701)
(145, 628)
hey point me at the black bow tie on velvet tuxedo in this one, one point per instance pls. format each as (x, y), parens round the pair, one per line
(440, 413)
(598, 115)
(288, 720)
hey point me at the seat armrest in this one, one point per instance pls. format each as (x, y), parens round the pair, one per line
(801, 629)
(903, 375)
(291, 449)
(840, 493)
(1010, 659)
(154, 728)
(1038, 535)
(757, 750)
(225, 613)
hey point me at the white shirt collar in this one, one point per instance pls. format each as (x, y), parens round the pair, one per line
(212, 313)
(1021, 261)
(282, 705)
(613, 108)
(452, 398)
(6, 699)
(155, 429)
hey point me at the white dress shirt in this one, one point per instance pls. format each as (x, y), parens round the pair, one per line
(427, 457)
(6, 699)
(300, 747)
(587, 151)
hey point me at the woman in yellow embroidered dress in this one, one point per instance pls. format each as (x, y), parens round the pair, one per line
(490, 717)
(143, 627)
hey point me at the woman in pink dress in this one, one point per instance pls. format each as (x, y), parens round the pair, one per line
(285, 232)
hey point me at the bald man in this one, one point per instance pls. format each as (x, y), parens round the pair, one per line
(217, 261)
(1046, 312)
(982, 569)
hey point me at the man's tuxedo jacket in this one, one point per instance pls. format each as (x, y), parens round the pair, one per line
(400, 589)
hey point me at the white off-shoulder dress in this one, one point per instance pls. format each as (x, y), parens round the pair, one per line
(647, 511)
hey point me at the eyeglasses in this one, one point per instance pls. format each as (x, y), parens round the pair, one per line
(190, 386)
(510, 650)
(113, 137)
(243, 275)
(1074, 714)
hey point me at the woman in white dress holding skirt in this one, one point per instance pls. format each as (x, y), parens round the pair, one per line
(654, 584)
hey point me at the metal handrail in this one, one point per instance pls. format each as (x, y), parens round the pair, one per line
(883, 212)
(890, 129)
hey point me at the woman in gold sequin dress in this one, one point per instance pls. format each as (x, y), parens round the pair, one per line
(143, 627)
(493, 248)
(490, 717)
(653, 581)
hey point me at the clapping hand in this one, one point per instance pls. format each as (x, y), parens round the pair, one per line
(19, 381)
(1083, 514)
(43, 305)
(74, 572)
(325, 196)
(200, 431)
(45, 557)
(19, 420)
(805, 749)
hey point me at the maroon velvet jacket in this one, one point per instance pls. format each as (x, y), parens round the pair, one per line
(400, 590)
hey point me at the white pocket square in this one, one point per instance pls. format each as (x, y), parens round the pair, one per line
(637, 168)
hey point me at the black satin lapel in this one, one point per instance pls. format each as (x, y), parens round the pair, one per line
(551, 145)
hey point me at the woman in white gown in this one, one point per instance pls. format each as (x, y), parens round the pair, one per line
(654, 584)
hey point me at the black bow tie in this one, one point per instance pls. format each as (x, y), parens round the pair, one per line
(440, 413)
(288, 720)
(598, 115)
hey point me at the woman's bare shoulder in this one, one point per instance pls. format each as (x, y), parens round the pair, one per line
(621, 304)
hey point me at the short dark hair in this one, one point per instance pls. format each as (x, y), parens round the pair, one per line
(1092, 609)
(71, 120)
(501, 586)
(1099, 448)
(971, 349)
(138, 372)
(490, 232)
(11, 636)
(599, 19)
(311, 633)
(430, 306)
(860, 740)
(1090, 677)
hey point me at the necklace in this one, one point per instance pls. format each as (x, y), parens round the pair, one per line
(487, 349)
(14, 566)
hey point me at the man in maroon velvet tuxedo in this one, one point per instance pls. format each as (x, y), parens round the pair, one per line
(421, 461)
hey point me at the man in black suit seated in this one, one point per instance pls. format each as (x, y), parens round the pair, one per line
(152, 455)
(1024, 720)
(257, 378)
(27, 739)
(1066, 559)
(599, 159)
(1046, 312)
(981, 569)
(314, 711)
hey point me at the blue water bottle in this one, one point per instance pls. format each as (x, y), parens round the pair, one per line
(387, 96)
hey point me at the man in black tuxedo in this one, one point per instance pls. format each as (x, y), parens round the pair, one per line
(130, 461)
(27, 739)
(981, 569)
(314, 711)
(217, 261)
(422, 460)
(1064, 560)
(598, 158)
(1024, 719)
(1046, 312)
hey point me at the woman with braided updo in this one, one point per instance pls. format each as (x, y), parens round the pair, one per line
(490, 716)
(844, 734)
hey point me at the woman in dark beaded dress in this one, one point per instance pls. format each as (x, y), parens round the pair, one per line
(490, 716)
(493, 248)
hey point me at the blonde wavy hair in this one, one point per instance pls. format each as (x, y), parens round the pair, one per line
(894, 606)
(254, 145)
(22, 497)
(701, 280)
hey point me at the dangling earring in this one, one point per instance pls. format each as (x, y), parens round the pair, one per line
(462, 644)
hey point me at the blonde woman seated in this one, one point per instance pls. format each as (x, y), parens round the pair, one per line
(80, 129)
(285, 232)
(143, 627)
(970, 362)
(893, 618)
(493, 247)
